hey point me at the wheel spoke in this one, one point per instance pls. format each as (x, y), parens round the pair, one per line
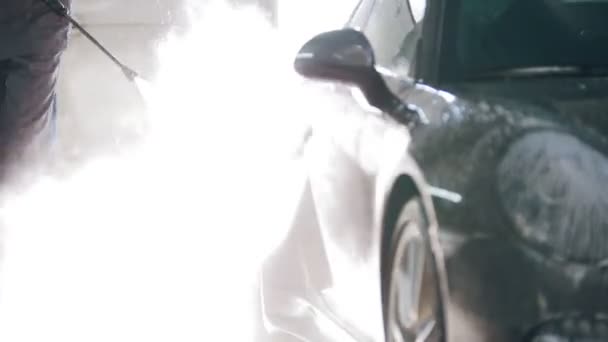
(417, 333)
(425, 329)
(411, 272)
(417, 258)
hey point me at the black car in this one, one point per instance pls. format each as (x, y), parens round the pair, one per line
(507, 105)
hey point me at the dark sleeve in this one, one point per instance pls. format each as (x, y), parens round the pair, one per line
(33, 38)
(28, 97)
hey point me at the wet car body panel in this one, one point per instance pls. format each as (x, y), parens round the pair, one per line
(487, 140)
(295, 278)
(528, 282)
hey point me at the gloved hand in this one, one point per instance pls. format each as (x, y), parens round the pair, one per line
(57, 6)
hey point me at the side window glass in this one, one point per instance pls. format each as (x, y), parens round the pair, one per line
(393, 32)
(404, 59)
(388, 24)
(417, 7)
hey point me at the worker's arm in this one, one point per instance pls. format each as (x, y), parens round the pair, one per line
(32, 39)
(29, 95)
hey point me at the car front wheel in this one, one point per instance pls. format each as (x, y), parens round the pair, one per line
(413, 306)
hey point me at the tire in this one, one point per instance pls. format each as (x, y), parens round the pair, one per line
(412, 302)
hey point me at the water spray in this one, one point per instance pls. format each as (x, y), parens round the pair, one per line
(60, 9)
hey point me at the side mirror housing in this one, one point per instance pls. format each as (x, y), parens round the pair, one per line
(346, 56)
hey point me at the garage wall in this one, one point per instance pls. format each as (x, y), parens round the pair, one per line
(130, 12)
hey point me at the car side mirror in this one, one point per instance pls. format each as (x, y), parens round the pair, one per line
(346, 56)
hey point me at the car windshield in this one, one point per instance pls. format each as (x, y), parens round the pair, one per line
(481, 36)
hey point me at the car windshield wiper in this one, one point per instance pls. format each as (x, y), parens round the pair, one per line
(542, 72)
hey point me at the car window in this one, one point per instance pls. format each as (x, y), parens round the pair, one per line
(418, 8)
(390, 24)
(487, 35)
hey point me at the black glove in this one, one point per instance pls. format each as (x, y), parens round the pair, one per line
(57, 6)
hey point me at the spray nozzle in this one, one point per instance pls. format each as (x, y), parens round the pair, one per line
(129, 73)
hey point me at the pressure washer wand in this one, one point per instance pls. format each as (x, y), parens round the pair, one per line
(58, 7)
